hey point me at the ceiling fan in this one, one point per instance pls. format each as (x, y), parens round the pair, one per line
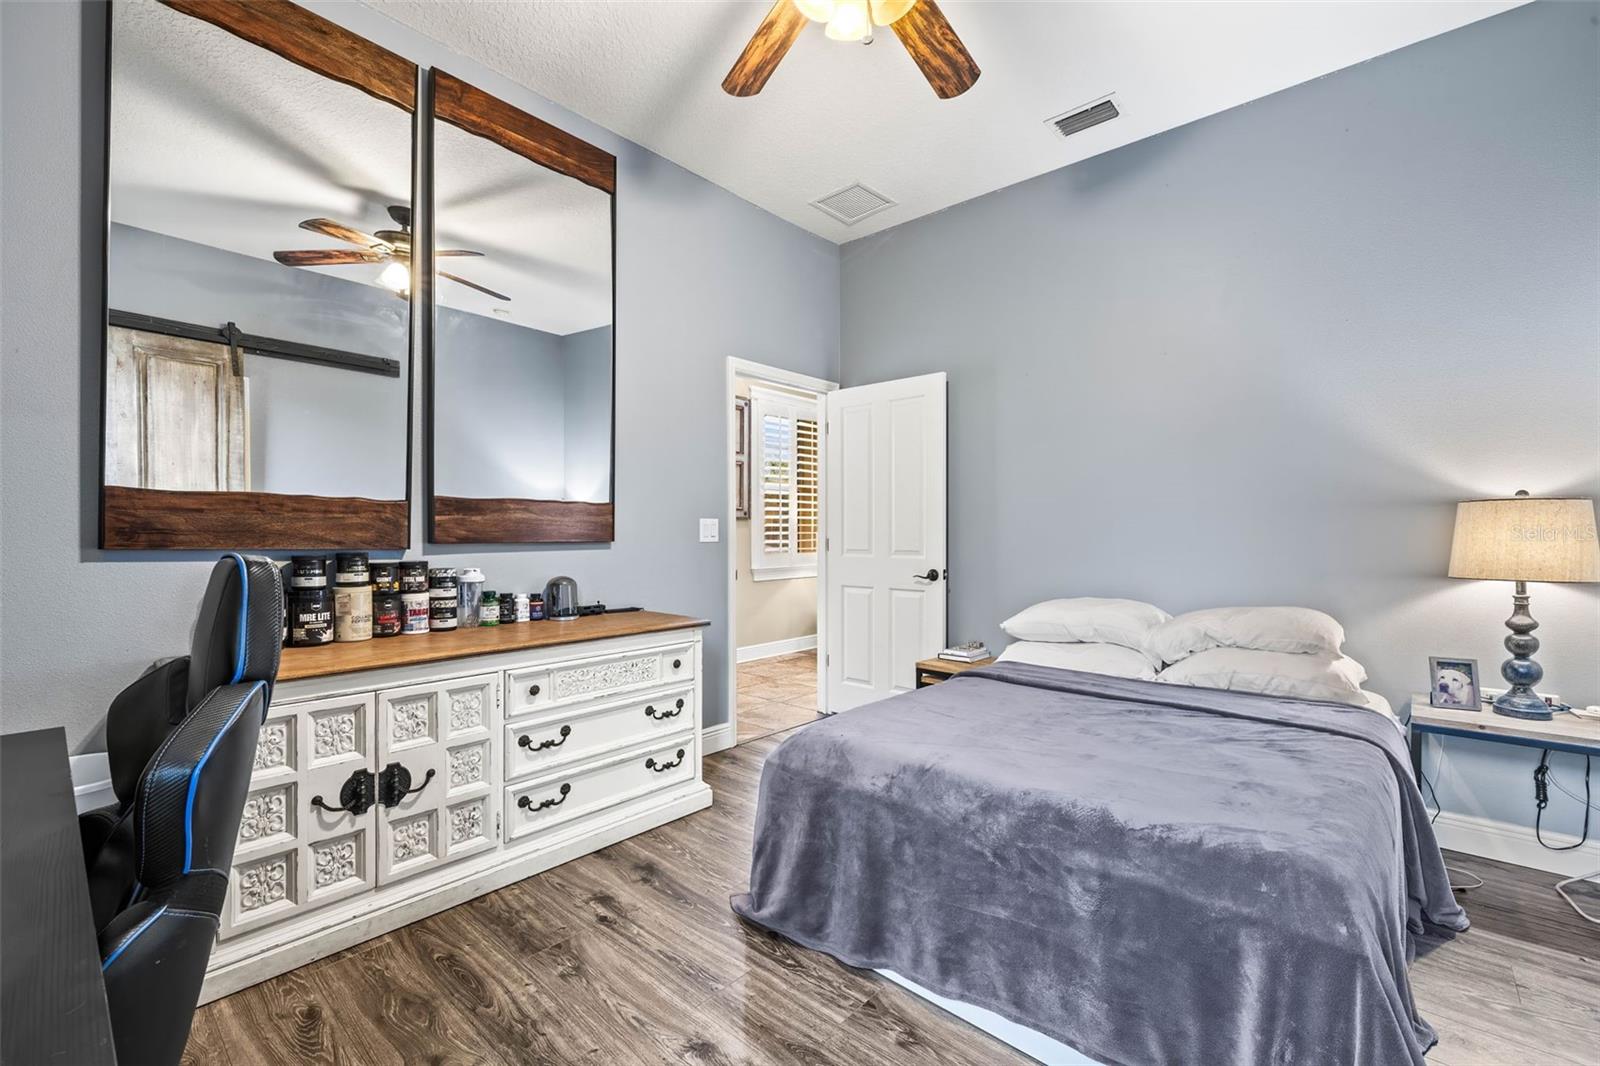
(919, 24)
(392, 246)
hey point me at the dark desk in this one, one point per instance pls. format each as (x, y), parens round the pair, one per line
(54, 1003)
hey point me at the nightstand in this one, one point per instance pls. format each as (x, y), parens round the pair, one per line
(932, 671)
(1564, 732)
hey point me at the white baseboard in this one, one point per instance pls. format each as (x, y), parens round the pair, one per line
(1473, 835)
(716, 738)
(776, 647)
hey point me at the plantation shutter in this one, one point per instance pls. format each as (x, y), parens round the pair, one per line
(785, 513)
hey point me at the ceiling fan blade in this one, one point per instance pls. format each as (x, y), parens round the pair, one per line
(329, 257)
(456, 251)
(935, 48)
(766, 49)
(474, 285)
(329, 228)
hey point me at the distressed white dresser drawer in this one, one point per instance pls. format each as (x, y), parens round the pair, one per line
(555, 799)
(555, 739)
(553, 685)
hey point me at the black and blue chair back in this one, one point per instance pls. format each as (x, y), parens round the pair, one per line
(165, 862)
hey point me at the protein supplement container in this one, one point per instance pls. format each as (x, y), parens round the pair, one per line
(388, 614)
(415, 606)
(310, 617)
(444, 598)
(352, 598)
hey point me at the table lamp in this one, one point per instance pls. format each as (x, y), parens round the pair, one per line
(1522, 539)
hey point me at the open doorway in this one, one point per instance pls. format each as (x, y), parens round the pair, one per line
(775, 467)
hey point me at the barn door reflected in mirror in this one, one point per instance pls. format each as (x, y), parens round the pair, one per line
(258, 281)
(522, 360)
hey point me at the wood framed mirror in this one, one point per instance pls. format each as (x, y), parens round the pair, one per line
(257, 378)
(522, 357)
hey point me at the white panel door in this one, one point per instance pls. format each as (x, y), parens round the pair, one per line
(884, 504)
(444, 735)
(299, 846)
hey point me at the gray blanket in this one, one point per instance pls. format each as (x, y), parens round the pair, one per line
(1148, 873)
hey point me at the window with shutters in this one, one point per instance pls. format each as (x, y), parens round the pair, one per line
(785, 511)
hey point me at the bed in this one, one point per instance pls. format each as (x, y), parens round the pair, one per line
(1141, 872)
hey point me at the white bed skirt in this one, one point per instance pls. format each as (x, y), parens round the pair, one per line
(1030, 1042)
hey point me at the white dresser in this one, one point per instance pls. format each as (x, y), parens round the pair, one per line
(398, 777)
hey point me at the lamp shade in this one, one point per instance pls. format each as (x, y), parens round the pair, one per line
(1526, 538)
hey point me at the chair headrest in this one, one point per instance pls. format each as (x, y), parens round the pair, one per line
(186, 812)
(239, 632)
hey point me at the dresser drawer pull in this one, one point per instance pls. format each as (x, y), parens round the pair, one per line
(663, 767)
(525, 741)
(650, 712)
(533, 690)
(525, 802)
(677, 664)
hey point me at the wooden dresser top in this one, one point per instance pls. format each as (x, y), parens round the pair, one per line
(330, 659)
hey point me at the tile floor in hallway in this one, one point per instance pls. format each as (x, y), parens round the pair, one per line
(777, 694)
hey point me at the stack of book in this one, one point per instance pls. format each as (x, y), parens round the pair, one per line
(971, 652)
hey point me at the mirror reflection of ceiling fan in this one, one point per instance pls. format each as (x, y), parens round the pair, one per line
(919, 24)
(392, 246)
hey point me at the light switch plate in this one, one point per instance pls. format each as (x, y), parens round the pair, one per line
(708, 531)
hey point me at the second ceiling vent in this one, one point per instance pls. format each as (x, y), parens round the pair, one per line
(1080, 119)
(853, 203)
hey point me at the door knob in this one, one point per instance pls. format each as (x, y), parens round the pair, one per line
(931, 575)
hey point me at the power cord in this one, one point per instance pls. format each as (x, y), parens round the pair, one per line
(1564, 790)
(1541, 800)
(1438, 809)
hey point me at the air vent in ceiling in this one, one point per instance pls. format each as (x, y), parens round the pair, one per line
(1080, 119)
(853, 203)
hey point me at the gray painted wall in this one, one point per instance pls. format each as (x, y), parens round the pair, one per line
(1259, 358)
(586, 358)
(313, 429)
(701, 275)
(499, 419)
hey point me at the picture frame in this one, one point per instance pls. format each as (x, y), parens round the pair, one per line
(741, 456)
(1453, 683)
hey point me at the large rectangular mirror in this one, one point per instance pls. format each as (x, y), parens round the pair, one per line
(258, 279)
(522, 354)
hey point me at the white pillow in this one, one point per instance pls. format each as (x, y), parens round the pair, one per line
(1300, 630)
(1086, 620)
(1273, 673)
(1373, 701)
(1113, 659)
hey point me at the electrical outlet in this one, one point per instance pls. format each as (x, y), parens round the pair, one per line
(708, 531)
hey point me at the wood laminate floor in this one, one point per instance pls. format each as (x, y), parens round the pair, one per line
(776, 694)
(631, 956)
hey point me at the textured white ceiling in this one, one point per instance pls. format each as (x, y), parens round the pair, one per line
(836, 113)
(217, 141)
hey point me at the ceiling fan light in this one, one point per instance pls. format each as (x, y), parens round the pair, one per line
(816, 10)
(396, 277)
(850, 21)
(887, 12)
